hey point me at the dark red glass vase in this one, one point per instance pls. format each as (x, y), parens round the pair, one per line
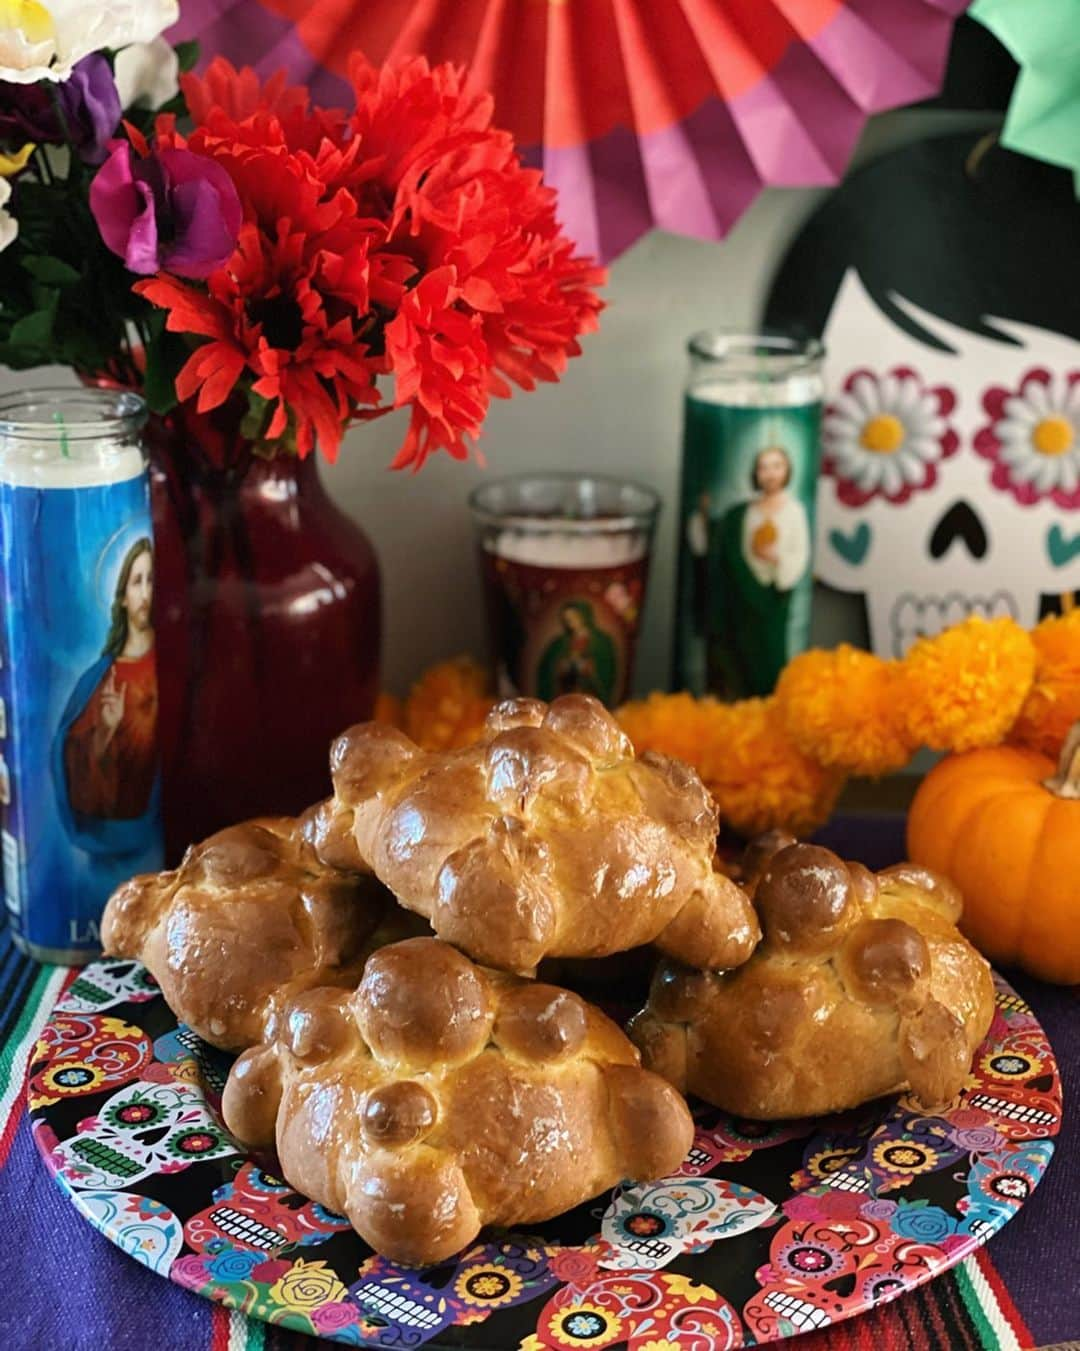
(267, 619)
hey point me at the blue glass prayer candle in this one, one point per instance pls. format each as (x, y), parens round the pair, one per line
(80, 789)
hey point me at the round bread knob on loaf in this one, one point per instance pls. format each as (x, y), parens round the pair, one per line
(439, 1097)
(547, 838)
(862, 985)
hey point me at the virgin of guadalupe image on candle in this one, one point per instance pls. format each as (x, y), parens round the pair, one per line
(763, 554)
(105, 764)
(581, 659)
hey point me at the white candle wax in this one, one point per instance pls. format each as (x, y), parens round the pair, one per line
(566, 545)
(744, 391)
(27, 463)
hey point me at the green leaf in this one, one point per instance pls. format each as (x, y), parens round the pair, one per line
(165, 354)
(187, 53)
(52, 271)
(35, 330)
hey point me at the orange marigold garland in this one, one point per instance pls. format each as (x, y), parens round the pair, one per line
(675, 724)
(758, 777)
(1053, 702)
(782, 761)
(844, 709)
(965, 687)
(743, 754)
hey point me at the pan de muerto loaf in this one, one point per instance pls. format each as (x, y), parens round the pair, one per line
(439, 1097)
(249, 917)
(547, 838)
(862, 985)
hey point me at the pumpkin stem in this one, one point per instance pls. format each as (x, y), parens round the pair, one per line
(1066, 782)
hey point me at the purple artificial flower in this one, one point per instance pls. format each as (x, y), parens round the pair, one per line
(169, 210)
(83, 111)
(91, 107)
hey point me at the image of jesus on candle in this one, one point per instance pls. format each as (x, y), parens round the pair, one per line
(108, 733)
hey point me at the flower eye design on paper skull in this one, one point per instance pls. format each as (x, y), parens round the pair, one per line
(885, 436)
(1033, 437)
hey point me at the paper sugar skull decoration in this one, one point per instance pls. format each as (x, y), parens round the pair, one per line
(951, 438)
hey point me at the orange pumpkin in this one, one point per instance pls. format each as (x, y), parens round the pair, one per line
(1006, 828)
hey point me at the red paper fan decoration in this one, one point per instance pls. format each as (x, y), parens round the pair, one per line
(669, 113)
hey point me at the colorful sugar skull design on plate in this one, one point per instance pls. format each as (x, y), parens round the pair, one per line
(767, 1230)
(79, 1054)
(413, 1306)
(143, 1129)
(259, 1212)
(637, 1309)
(186, 1057)
(145, 1228)
(108, 983)
(647, 1225)
(719, 1138)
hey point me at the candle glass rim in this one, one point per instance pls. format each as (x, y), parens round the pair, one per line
(120, 414)
(773, 354)
(639, 517)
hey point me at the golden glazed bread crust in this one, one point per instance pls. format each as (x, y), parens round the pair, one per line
(862, 985)
(248, 919)
(547, 838)
(440, 1096)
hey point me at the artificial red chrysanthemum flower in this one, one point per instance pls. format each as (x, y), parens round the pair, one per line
(265, 318)
(403, 240)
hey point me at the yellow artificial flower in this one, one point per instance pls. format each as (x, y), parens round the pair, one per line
(45, 41)
(1053, 702)
(845, 709)
(966, 686)
(26, 17)
(16, 162)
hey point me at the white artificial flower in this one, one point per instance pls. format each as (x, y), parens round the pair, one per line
(43, 39)
(152, 17)
(9, 226)
(885, 435)
(147, 74)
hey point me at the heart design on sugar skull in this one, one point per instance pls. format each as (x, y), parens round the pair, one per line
(954, 460)
(1062, 550)
(853, 546)
(648, 1225)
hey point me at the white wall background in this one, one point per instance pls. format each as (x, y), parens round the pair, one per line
(616, 411)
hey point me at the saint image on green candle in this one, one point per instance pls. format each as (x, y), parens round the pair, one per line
(763, 554)
(581, 659)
